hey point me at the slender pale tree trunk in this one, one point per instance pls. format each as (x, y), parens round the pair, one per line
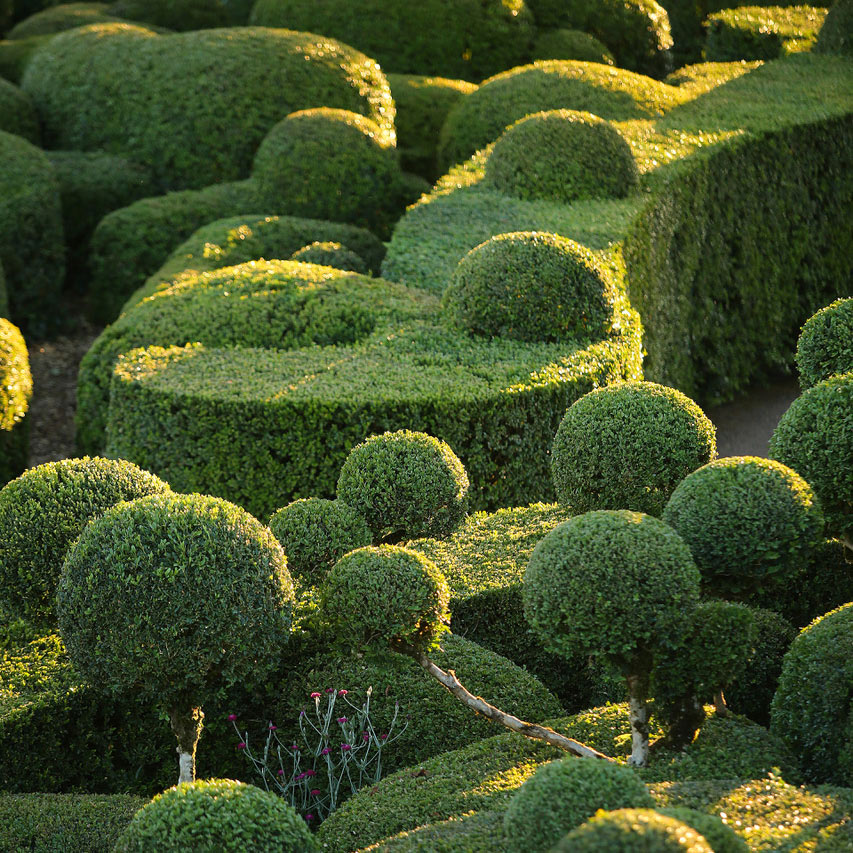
(187, 725)
(638, 694)
(720, 704)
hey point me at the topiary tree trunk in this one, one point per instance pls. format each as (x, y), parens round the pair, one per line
(187, 726)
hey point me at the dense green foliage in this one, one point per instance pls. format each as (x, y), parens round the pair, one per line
(749, 522)
(44, 511)
(825, 345)
(533, 286)
(15, 54)
(628, 446)
(811, 710)
(174, 14)
(815, 437)
(330, 254)
(17, 114)
(562, 795)
(16, 389)
(834, 35)
(61, 17)
(316, 533)
(216, 815)
(453, 38)
(720, 836)
(195, 577)
(571, 44)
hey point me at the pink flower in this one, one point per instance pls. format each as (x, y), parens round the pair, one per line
(342, 720)
(309, 817)
(343, 692)
(384, 737)
(300, 776)
(232, 717)
(330, 690)
(241, 745)
(365, 737)
(345, 747)
(326, 751)
(315, 695)
(272, 728)
(281, 772)
(295, 748)
(316, 792)
(310, 772)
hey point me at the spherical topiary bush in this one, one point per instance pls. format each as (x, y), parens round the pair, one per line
(16, 388)
(44, 511)
(720, 836)
(330, 164)
(330, 254)
(563, 155)
(216, 816)
(532, 286)
(563, 794)
(633, 831)
(815, 437)
(386, 594)
(179, 15)
(316, 533)
(17, 114)
(748, 521)
(571, 44)
(627, 446)
(812, 711)
(825, 345)
(405, 485)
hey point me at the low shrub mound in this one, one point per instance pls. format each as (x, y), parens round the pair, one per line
(60, 17)
(563, 155)
(179, 15)
(330, 254)
(628, 446)
(811, 710)
(43, 512)
(453, 38)
(217, 814)
(825, 345)
(532, 286)
(16, 389)
(720, 836)
(749, 523)
(571, 44)
(405, 484)
(316, 533)
(834, 35)
(17, 114)
(563, 794)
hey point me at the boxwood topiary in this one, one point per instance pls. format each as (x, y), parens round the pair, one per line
(749, 523)
(17, 114)
(825, 345)
(330, 254)
(561, 795)
(834, 35)
(562, 155)
(44, 511)
(532, 286)
(316, 533)
(571, 44)
(177, 15)
(405, 484)
(16, 389)
(720, 836)
(60, 17)
(811, 711)
(217, 815)
(628, 446)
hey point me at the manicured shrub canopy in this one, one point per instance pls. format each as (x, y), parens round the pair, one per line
(330, 254)
(825, 345)
(533, 286)
(60, 17)
(571, 44)
(720, 836)
(562, 155)
(194, 576)
(16, 388)
(174, 14)
(628, 446)
(834, 35)
(17, 114)
(217, 814)
(812, 709)
(562, 795)
(749, 523)
(161, 113)
(453, 38)
(44, 511)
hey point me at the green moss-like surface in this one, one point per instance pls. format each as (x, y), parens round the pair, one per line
(177, 15)
(58, 18)
(17, 114)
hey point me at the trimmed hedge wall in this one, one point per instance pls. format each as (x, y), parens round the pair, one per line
(16, 388)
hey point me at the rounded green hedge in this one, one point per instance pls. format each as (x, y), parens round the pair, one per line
(376, 596)
(195, 577)
(532, 286)
(615, 584)
(17, 114)
(720, 836)
(571, 44)
(316, 533)
(562, 795)
(628, 446)
(453, 38)
(217, 816)
(330, 164)
(194, 107)
(562, 155)
(60, 17)
(749, 523)
(405, 484)
(834, 35)
(179, 15)
(44, 511)
(633, 831)
(16, 389)
(813, 706)
(330, 254)
(825, 345)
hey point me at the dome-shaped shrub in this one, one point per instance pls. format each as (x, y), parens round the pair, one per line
(330, 254)
(720, 836)
(627, 446)
(563, 155)
(835, 34)
(17, 114)
(216, 816)
(562, 795)
(16, 388)
(57, 18)
(812, 711)
(405, 485)
(825, 345)
(44, 511)
(633, 831)
(532, 286)
(179, 15)
(749, 522)
(316, 533)
(571, 44)
(330, 164)
(386, 594)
